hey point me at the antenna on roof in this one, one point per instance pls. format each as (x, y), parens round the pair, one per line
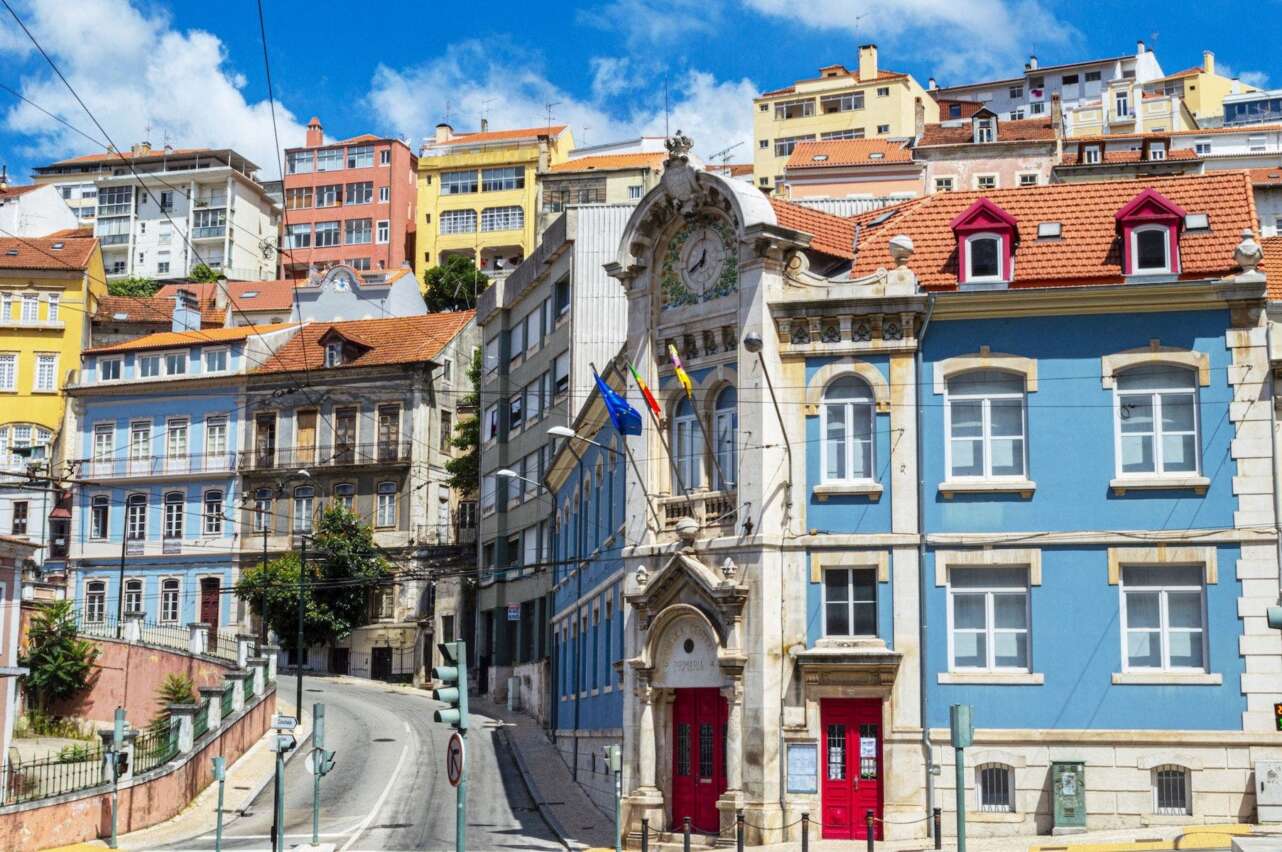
(667, 112)
(548, 107)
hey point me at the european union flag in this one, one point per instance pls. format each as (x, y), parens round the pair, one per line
(626, 419)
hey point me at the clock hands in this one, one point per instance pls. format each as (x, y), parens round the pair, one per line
(703, 259)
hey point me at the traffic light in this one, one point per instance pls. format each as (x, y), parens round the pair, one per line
(1275, 617)
(325, 763)
(453, 677)
(1277, 716)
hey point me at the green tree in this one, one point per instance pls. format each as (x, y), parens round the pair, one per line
(343, 567)
(203, 273)
(134, 285)
(465, 468)
(58, 661)
(455, 285)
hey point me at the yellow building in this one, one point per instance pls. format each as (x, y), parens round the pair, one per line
(1127, 107)
(838, 104)
(1202, 89)
(49, 288)
(478, 193)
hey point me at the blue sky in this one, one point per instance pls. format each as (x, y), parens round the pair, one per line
(193, 72)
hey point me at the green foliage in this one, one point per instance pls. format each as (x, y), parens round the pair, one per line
(37, 723)
(203, 273)
(134, 285)
(75, 753)
(344, 566)
(455, 285)
(464, 469)
(59, 662)
(174, 689)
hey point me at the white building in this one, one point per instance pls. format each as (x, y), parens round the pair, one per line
(1029, 95)
(159, 213)
(33, 211)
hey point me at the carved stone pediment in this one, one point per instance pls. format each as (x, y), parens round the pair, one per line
(685, 578)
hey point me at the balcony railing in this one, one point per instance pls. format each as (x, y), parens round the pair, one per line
(113, 239)
(712, 510)
(146, 466)
(284, 458)
(206, 232)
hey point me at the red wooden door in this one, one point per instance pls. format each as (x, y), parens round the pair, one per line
(698, 758)
(210, 596)
(852, 760)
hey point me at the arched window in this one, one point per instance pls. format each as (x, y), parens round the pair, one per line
(169, 595)
(213, 513)
(985, 425)
(95, 601)
(1156, 416)
(725, 429)
(995, 788)
(846, 424)
(1151, 248)
(136, 517)
(985, 258)
(133, 596)
(345, 495)
(687, 447)
(174, 514)
(304, 498)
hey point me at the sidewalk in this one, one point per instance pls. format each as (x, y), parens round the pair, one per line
(564, 806)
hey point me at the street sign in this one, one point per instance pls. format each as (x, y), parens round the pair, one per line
(455, 759)
(514, 612)
(282, 742)
(284, 723)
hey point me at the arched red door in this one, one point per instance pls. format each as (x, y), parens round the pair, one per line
(852, 761)
(698, 758)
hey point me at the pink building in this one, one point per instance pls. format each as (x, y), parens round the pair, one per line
(350, 201)
(984, 151)
(13, 552)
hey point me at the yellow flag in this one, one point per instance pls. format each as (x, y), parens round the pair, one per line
(681, 372)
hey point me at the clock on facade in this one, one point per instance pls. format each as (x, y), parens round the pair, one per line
(702, 258)
(698, 264)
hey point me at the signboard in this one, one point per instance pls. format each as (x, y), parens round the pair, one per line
(803, 767)
(282, 742)
(284, 723)
(455, 759)
(514, 612)
(867, 746)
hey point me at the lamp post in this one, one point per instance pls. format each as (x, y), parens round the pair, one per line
(565, 432)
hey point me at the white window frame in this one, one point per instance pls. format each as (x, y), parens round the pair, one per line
(384, 194)
(1003, 274)
(1164, 629)
(263, 509)
(8, 371)
(383, 232)
(851, 411)
(153, 358)
(30, 311)
(688, 449)
(95, 601)
(1165, 231)
(1187, 788)
(1155, 399)
(1022, 178)
(990, 630)
(120, 369)
(45, 360)
(1122, 103)
(212, 523)
(170, 600)
(1092, 155)
(216, 350)
(51, 311)
(303, 509)
(726, 451)
(986, 398)
(141, 590)
(385, 512)
(100, 501)
(986, 175)
(1157, 151)
(850, 600)
(945, 184)
(174, 353)
(990, 770)
(333, 354)
(174, 522)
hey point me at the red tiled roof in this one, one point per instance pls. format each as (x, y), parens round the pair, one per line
(393, 340)
(848, 152)
(115, 156)
(854, 75)
(364, 137)
(1111, 157)
(18, 540)
(1089, 250)
(156, 309)
(170, 339)
(275, 295)
(732, 169)
(1187, 72)
(1266, 177)
(17, 191)
(611, 161)
(81, 233)
(1272, 265)
(830, 234)
(48, 253)
(500, 135)
(1012, 130)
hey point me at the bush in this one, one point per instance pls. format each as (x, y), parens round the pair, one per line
(58, 661)
(75, 753)
(176, 689)
(37, 723)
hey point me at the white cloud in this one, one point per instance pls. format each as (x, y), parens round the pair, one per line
(467, 82)
(962, 40)
(134, 69)
(645, 24)
(1259, 79)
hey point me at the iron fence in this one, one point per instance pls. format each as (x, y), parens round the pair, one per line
(228, 700)
(102, 627)
(166, 635)
(154, 748)
(200, 724)
(249, 689)
(76, 768)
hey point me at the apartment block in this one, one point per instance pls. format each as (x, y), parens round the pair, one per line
(350, 202)
(613, 173)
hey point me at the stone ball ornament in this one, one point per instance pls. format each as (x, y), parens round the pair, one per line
(1248, 253)
(901, 249)
(688, 530)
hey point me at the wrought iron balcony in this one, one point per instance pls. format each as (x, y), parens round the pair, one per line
(340, 455)
(151, 466)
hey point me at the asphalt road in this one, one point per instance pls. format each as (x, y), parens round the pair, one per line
(388, 790)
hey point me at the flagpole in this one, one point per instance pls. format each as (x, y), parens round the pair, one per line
(663, 439)
(628, 452)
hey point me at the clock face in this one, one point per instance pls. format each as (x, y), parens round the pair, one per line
(702, 258)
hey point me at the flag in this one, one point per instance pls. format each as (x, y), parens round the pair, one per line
(645, 391)
(626, 419)
(681, 372)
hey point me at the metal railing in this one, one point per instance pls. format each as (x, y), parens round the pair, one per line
(148, 466)
(154, 748)
(200, 724)
(248, 689)
(208, 232)
(170, 635)
(76, 768)
(284, 458)
(105, 627)
(228, 700)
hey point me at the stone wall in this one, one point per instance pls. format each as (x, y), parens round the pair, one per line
(594, 776)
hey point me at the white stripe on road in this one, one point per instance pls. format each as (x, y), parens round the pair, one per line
(382, 798)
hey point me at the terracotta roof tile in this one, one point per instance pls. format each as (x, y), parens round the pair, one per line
(116, 156)
(155, 309)
(731, 169)
(48, 253)
(80, 233)
(1088, 252)
(1266, 177)
(275, 295)
(170, 339)
(854, 75)
(848, 152)
(830, 234)
(17, 191)
(1131, 157)
(500, 135)
(652, 160)
(968, 108)
(392, 340)
(1012, 130)
(1272, 265)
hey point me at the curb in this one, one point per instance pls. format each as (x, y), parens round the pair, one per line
(533, 789)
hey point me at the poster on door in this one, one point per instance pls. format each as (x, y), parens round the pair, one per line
(867, 747)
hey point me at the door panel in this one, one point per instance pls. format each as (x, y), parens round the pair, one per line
(305, 442)
(698, 758)
(344, 436)
(210, 596)
(852, 771)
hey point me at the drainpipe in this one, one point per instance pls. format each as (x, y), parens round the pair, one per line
(921, 569)
(1273, 441)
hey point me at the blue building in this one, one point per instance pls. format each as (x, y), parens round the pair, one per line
(1011, 449)
(159, 424)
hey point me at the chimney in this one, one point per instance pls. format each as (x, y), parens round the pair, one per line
(220, 293)
(140, 148)
(444, 132)
(1139, 47)
(1031, 65)
(867, 62)
(485, 124)
(1057, 115)
(930, 84)
(186, 312)
(919, 119)
(315, 133)
(1208, 62)
(4, 178)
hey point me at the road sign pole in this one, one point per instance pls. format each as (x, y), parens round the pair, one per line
(117, 746)
(460, 807)
(220, 773)
(278, 840)
(453, 691)
(318, 738)
(962, 734)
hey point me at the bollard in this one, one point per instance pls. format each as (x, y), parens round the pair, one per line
(645, 834)
(685, 834)
(939, 828)
(868, 824)
(738, 829)
(805, 832)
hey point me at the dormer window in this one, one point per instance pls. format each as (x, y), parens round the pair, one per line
(1157, 151)
(333, 354)
(985, 130)
(1150, 226)
(1091, 155)
(986, 236)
